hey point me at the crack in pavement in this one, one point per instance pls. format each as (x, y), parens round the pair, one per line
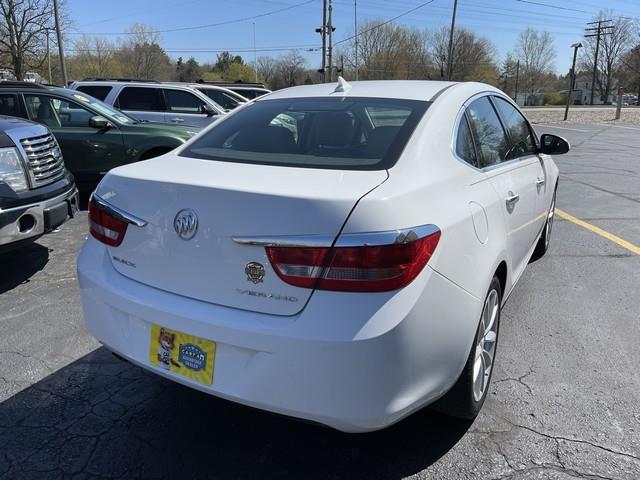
(519, 380)
(571, 440)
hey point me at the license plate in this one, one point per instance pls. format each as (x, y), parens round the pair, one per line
(181, 353)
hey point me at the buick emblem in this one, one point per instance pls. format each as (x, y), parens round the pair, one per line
(255, 272)
(186, 224)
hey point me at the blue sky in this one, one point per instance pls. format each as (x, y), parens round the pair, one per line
(498, 20)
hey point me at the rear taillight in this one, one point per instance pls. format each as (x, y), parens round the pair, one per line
(353, 269)
(104, 226)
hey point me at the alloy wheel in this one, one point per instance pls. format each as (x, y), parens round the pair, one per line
(547, 234)
(485, 349)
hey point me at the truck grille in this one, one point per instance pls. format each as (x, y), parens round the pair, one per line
(45, 159)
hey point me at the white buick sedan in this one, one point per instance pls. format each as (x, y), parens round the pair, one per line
(336, 252)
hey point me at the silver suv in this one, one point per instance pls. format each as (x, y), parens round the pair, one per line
(154, 101)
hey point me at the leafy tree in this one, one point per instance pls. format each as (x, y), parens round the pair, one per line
(23, 31)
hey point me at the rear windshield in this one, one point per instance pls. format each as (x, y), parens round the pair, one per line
(338, 133)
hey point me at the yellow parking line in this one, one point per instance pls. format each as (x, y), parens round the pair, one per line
(610, 236)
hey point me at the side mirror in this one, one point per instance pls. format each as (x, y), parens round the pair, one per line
(99, 122)
(207, 110)
(553, 144)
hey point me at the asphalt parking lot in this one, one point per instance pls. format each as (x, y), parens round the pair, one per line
(564, 402)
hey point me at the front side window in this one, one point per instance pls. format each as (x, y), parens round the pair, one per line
(342, 133)
(141, 99)
(180, 101)
(488, 132)
(522, 141)
(40, 109)
(465, 148)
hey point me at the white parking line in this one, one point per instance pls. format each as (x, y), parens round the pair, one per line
(562, 128)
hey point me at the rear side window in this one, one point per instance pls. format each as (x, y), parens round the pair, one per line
(141, 98)
(223, 99)
(9, 105)
(96, 91)
(465, 148)
(522, 142)
(342, 133)
(181, 101)
(488, 132)
(248, 94)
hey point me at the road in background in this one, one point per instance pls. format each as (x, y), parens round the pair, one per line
(564, 402)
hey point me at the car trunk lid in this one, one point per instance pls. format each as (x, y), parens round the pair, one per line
(230, 201)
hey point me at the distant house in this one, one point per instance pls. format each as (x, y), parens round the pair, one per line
(582, 92)
(530, 99)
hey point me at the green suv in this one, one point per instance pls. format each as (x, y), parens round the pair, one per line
(93, 136)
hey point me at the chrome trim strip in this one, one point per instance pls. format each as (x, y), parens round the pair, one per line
(117, 212)
(286, 241)
(387, 237)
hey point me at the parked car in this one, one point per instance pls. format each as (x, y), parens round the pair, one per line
(248, 91)
(93, 136)
(224, 97)
(37, 193)
(154, 101)
(334, 252)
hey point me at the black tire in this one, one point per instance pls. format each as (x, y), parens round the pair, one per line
(462, 401)
(155, 152)
(545, 238)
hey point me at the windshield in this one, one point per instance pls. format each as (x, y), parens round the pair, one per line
(340, 133)
(102, 108)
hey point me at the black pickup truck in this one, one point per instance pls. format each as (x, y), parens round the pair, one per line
(37, 193)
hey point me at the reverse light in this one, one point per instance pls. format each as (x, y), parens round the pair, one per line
(104, 226)
(368, 268)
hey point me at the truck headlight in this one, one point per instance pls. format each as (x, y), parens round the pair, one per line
(11, 171)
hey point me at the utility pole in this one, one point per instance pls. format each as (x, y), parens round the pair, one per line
(49, 56)
(355, 32)
(597, 32)
(330, 30)
(323, 32)
(255, 54)
(63, 68)
(575, 47)
(453, 26)
(515, 96)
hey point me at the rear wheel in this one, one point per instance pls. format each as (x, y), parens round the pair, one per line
(545, 237)
(466, 397)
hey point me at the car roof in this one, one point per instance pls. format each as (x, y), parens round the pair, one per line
(404, 89)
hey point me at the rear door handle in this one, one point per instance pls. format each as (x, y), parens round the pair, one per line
(177, 120)
(540, 182)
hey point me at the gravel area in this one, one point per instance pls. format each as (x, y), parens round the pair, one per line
(582, 115)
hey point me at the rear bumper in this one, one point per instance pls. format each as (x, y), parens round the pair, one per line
(355, 362)
(32, 220)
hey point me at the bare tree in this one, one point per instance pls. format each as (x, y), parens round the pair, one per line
(266, 67)
(472, 56)
(612, 48)
(142, 55)
(23, 31)
(290, 70)
(387, 51)
(536, 54)
(94, 57)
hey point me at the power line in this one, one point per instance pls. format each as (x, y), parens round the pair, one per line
(553, 6)
(209, 25)
(357, 34)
